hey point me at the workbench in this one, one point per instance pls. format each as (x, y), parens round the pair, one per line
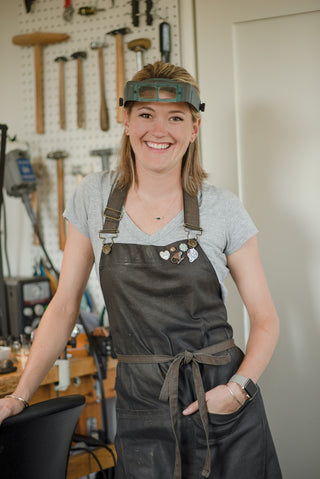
(82, 375)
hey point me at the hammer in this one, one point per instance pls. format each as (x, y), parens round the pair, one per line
(61, 61)
(80, 110)
(104, 154)
(139, 46)
(59, 156)
(119, 33)
(38, 39)
(104, 122)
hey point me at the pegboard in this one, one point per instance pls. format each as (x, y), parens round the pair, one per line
(47, 16)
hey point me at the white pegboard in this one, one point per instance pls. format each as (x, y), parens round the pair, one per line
(47, 16)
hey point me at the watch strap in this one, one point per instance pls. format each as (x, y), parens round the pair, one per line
(246, 384)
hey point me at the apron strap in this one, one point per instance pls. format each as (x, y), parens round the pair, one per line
(170, 387)
(113, 211)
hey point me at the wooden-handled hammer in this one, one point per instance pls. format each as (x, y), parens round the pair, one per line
(119, 33)
(79, 56)
(61, 60)
(59, 156)
(104, 120)
(38, 39)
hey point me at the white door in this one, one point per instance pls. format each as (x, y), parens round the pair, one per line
(259, 74)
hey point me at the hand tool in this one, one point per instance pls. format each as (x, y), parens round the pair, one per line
(79, 56)
(28, 5)
(104, 154)
(61, 60)
(165, 43)
(90, 10)
(149, 17)
(59, 156)
(119, 33)
(139, 46)
(135, 12)
(38, 39)
(104, 121)
(68, 11)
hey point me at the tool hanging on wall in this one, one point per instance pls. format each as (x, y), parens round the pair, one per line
(104, 120)
(28, 5)
(119, 34)
(149, 17)
(59, 157)
(105, 155)
(140, 45)
(165, 41)
(38, 40)
(86, 11)
(80, 56)
(135, 12)
(68, 11)
(62, 110)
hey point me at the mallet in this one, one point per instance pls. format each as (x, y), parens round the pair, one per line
(59, 156)
(38, 39)
(139, 46)
(104, 121)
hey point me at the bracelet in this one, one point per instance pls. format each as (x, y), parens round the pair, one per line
(233, 395)
(25, 403)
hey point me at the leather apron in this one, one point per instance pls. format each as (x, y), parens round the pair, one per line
(173, 342)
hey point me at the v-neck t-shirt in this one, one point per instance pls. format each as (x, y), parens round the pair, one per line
(225, 222)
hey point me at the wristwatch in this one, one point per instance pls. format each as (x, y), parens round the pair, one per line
(246, 384)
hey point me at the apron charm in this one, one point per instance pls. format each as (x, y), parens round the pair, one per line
(177, 257)
(106, 248)
(183, 247)
(192, 243)
(164, 255)
(192, 255)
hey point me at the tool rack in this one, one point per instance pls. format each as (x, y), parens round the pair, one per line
(47, 16)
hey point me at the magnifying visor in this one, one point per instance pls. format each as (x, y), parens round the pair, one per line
(161, 90)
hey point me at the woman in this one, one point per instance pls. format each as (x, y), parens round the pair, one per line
(187, 401)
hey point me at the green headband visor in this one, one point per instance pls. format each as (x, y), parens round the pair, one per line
(161, 90)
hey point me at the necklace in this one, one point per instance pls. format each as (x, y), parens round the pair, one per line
(166, 211)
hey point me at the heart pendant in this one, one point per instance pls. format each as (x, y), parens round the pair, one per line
(164, 254)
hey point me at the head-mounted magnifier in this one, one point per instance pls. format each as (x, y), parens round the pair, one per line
(161, 90)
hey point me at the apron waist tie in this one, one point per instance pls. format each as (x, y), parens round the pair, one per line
(170, 387)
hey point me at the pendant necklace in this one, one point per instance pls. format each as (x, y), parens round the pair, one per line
(158, 217)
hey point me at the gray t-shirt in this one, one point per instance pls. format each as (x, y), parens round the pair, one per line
(226, 224)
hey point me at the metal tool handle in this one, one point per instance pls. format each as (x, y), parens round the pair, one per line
(165, 42)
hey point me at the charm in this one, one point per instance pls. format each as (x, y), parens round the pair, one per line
(106, 248)
(177, 257)
(164, 254)
(192, 243)
(183, 247)
(172, 249)
(192, 254)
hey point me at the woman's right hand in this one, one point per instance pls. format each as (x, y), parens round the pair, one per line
(9, 407)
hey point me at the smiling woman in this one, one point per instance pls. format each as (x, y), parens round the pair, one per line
(187, 400)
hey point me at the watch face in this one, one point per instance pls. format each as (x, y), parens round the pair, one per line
(251, 388)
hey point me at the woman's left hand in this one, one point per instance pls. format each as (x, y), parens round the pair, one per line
(219, 401)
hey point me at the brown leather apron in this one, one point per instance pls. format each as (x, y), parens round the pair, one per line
(173, 342)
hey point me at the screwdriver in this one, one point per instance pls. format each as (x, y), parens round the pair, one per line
(90, 10)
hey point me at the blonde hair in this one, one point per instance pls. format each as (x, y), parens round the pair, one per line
(192, 173)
